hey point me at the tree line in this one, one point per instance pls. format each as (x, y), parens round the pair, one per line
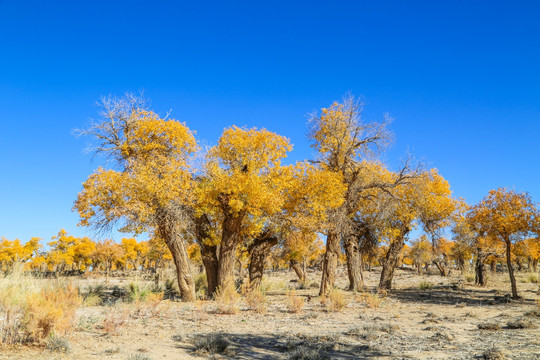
(239, 198)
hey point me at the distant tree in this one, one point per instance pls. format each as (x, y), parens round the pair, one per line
(507, 216)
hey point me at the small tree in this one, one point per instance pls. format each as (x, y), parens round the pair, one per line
(506, 215)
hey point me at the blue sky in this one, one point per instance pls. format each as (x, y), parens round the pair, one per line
(460, 78)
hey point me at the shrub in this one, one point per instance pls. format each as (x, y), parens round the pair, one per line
(489, 326)
(256, 301)
(138, 356)
(295, 303)
(493, 354)
(532, 278)
(113, 321)
(372, 301)
(520, 324)
(306, 353)
(227, 300)
(335, 301)
(94, 295)
(201, 284)
(425, 285)
(269, 284)
(469, 278)
(211, 344)
(57, 344)
(49, 311)
(138, 291)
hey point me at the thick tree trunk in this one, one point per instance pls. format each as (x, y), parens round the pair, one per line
(209, 253)
(186, 284)
(480, 269)
(169, 232)
(298, 270)
(354, 268)
(493, 266)
(519, 264)
(259, 251)
(330, 263)
(390, 263)
(511, 269)
(230, 238)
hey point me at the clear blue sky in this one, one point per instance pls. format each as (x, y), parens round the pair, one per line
(460, 78)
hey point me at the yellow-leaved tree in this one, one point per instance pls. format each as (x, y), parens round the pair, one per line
(506, 215)
(343, 141)
(243, 185)
(150, 184)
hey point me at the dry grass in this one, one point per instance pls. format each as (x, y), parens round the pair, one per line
(371, 300)
(489, 326)
(33, 310)
(210, 344)
(335, 301)
(227, 300)
(256, 301)
(295, 303)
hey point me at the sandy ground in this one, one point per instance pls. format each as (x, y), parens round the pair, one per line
(441, 322)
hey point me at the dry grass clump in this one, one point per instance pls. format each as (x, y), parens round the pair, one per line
(57, 344)
(272, 284)
(32, 309)
(113, 321)
(227, 300)
(425, 285)
(469, 277)
(295, 303)
(256, 301)
(335, 301)
(210, 344)
(306, 353)
(532, 278)
(138, 356)
(520, 324)
(494, 354)
(489, 326)
(94, 295)
(372, 301)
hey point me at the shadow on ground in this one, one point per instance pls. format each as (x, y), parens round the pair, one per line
(266, 347)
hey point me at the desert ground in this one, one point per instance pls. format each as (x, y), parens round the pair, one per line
(424, 317)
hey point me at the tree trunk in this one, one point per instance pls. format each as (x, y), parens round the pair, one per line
(354, 269)
(259, 251)
(330, 263)
(441, 267)
(390, 262)
(209, 253)
(480, 269)
(519, 264)
(169, 232)
(511, 269)
(298, 270)
(493, 266)
(230, 238)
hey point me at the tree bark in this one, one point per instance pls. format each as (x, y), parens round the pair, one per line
(209, 253)
(390, 262)
(298, 270)
(354, 269)
(330, 263)
(511, 268)
(169, 232)
(480, 269)
(230, 238)
(440, 266)
(259, 251)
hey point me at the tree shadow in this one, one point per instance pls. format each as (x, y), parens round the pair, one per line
(266, 347)
(448, 295)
